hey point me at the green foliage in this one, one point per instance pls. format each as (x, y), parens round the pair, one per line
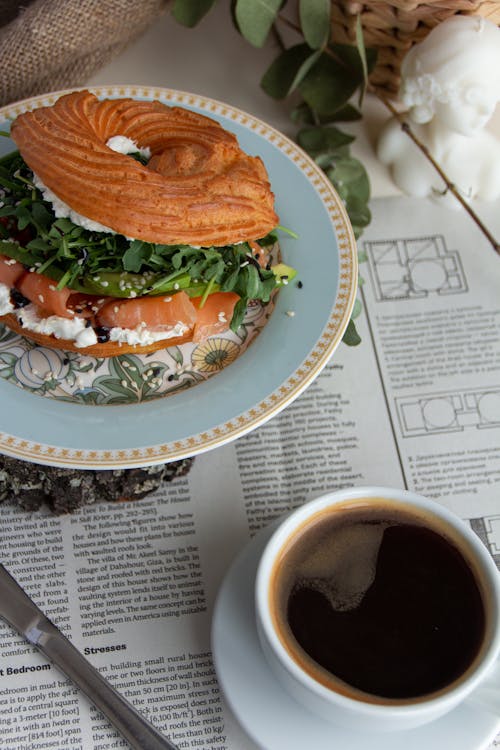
(288, 70)
(351, 337)
(315, 22)
(190, 12)
(255, 19)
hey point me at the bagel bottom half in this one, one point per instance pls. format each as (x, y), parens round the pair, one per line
(107, 349)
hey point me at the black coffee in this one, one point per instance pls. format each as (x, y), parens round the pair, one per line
(380, 601)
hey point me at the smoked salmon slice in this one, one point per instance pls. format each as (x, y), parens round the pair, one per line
(10, 271)
(198, 188)
(43, 293)
(215, 315)
(162, 313)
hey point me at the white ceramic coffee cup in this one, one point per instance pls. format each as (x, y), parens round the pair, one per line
(353, 712)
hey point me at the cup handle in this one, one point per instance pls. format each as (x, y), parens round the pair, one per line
(487, 695)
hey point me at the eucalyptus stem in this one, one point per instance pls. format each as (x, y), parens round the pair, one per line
(405, 127)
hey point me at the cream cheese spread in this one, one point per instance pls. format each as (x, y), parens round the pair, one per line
(6, 305)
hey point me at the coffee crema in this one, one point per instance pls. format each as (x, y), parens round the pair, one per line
(376, 602)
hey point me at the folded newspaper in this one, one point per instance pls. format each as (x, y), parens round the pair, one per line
(133, 585)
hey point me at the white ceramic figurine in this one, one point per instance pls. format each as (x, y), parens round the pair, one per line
(450, 85)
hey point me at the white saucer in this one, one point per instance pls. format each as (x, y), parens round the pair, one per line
(274, 720)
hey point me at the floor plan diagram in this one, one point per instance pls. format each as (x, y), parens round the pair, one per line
(451, 411)
(488, 530)
(414, 268)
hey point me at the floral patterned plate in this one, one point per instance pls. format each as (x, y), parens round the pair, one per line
(63, 409)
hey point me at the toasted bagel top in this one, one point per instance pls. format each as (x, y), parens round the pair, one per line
(198, 188)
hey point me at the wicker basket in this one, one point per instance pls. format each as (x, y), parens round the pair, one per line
(393, 27)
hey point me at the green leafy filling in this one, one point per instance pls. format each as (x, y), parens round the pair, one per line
(110, 264)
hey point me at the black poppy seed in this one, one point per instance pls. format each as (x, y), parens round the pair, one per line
(18, 299)
(170, 378)
(66, 361)
(88, 324)
(300, 284)
(102, 333)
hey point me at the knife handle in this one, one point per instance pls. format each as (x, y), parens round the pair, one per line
(30, 622)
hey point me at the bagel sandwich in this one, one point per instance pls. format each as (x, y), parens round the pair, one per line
(130, 226)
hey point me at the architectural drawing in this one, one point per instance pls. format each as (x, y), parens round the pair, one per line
(414, 268)
(451, 411)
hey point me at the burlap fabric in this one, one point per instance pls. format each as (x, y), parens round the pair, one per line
(46, 45)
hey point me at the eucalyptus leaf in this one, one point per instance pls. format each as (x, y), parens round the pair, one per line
(351, 337)
(351, 173)
(357, 309)
(304, 115)
(190, 12)
(358, 211)
(323, 139)
(284, 71)
(349, 113)
(329, 85)
(255, 18)
(360, 43)
(350, 57)
(315, 21)
(304, 70)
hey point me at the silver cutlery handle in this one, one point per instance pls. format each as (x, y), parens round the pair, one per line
(23, 614)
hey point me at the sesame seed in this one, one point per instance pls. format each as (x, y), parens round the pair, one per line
(132, 294)
(290, 313)
(176, 285)
(115, 308)
(41, 298)
(124, 383)
(221, 317)
(104, 283)
(167, 299)
(52, 287)
(96, 278)
(10, 262)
